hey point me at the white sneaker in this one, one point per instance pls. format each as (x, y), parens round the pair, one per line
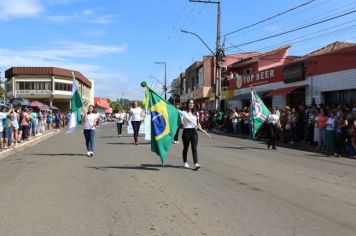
(186, 165)
(177, 142)
(174, 142)
(88, 154)
(197, 166)
(91, 154)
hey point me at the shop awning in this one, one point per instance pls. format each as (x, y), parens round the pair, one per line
(282, 91)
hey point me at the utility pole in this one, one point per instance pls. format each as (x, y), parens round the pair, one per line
(218, 53)
(165, 77)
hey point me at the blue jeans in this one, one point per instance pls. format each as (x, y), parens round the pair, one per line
(89, 135)
(9, 136)
(235, 127)
(33, 128)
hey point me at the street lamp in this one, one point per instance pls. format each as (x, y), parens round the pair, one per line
(165, 77)
(206, 45)
(219, 51)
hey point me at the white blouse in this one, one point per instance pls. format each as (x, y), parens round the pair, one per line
(90, 121)
(136, 114)
(272, 119)
(189, 120)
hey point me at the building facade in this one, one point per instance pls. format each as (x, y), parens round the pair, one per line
(50, 85)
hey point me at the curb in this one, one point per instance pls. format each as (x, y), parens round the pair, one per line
(21, 147)
(297, 146)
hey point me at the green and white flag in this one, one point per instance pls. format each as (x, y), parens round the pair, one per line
(76, 105)
(259, 112)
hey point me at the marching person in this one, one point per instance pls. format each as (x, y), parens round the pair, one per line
(120, 118)
(89, 121)
(273, 126)
(136, 118)
(190, 119)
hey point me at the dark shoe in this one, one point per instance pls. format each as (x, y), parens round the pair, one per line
(268, 146)
(274, 148)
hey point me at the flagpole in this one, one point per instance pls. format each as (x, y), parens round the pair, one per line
(252, 119)
(144, 85)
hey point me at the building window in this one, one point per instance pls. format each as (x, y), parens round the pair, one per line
(62, 86)
(33, 85)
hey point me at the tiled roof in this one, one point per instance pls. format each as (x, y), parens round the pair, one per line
(330, 48)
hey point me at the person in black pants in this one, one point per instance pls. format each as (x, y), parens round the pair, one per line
(273, 125)
(190, 123)
(136, 114)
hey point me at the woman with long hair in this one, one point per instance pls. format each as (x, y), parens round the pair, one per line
(190, 122)
(136, 118)
(89, 122)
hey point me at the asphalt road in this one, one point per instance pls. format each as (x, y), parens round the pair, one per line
(52, 188)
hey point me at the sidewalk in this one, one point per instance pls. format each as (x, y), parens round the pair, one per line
(34, 140)
(298, 146)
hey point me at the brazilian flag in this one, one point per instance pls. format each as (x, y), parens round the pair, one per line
(165, 120)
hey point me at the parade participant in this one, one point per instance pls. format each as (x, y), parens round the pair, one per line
(89, 121)
(120, 118)
(136, 118)
(273, 125)
(190, 119)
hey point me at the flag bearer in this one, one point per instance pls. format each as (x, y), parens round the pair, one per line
(89, 122)
(273, 126)
(190, 119)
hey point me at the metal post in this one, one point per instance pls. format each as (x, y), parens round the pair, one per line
(218, 53)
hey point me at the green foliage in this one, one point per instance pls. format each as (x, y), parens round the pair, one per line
(122, 104)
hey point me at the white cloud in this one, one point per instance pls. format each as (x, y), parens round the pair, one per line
(85, 16)
(19, 8)
(273, 29)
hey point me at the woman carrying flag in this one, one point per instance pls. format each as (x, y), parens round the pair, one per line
(273, 126)
(190, 119)
(89, 122)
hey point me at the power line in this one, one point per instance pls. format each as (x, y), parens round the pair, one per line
(269, 18)
(293, 30)
(300, 37)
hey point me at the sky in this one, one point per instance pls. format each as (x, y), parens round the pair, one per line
(116, 43)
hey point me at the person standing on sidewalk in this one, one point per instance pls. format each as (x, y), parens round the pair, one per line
(120, 118)
(89, 122)
(273, 126)
(136, 118)
(190, 118)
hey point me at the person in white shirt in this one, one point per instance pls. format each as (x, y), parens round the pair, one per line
(89, 123)
(120, 118)
(273, 126)
(136, 118)
(190, 118)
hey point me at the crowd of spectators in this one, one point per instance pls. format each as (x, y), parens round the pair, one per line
(330, 129)
(22, 123)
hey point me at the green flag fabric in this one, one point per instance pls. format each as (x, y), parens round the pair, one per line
(259, 112)
(75, 105)
(165, 120)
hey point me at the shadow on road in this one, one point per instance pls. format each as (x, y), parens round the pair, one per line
(129, 143)
(160, 166)
(105, 168)
(240, 148)
(56, 154)
(116, 136)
